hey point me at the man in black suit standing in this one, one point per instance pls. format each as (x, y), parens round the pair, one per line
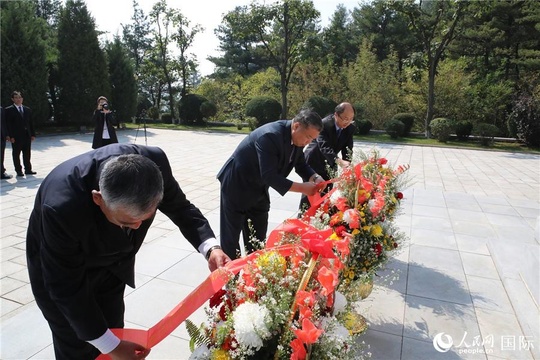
(336, 137)
(21, 133)
(4, 138)
(90, 218)
(263, 159)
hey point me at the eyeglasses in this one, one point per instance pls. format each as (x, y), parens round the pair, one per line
(345, 120)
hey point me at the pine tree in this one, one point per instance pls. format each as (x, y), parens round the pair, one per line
(23, 57)
(82, 68)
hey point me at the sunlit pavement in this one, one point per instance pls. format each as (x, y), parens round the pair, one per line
(470, 269)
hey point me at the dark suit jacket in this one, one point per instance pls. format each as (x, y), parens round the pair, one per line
(19, 127)
(69, 237)
(261, 160)
(99, 119)
(326, 147)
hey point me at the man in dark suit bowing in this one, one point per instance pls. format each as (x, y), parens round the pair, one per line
(336, 137)
(21, 133)
(90, 218)
(262, 160)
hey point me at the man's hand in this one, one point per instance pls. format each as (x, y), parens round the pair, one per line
(217, 259)
(128, 350)
(343, 163)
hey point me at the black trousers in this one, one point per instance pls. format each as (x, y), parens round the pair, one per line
(2, 154)
(23, 146)
(109, 294)
(251, 221)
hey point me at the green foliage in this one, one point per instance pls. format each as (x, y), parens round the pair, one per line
(208, 109)
(123, 86)
(463, 129)
(321, 105)
(82, 68)
(196, 334)
(375, 85)
(394, 128)
(265, 109)
(486, 133)
(153, 113)
(189, 109)
(407, 119)
(166, 118)
(23, 62)
(526, 116)
(363, 127)
(442, 128)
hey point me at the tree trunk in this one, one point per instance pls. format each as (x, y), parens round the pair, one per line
(431, 96)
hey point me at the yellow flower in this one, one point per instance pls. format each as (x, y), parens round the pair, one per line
(376, 230)
(220, 354)
(273, 261)
(355, 232)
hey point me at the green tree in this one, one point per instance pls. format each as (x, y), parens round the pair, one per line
(282, 28)
(123, 85)
(434, 24)
(136, 37)
(23, 65)
(184, 37)
(82, 68)
(338, 42)
(374, 85)
(162, 17)
(238, 44)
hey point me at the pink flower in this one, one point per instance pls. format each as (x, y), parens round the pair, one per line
(352, 217)
(309, 332)
(328, 279)
(299, 351)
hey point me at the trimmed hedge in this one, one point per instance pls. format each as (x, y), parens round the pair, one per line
(407, 119)
(263, 108)
(463, 129)
(321, 105)
(394, 128)
(441, 128)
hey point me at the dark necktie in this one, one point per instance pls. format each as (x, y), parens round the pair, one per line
(20, 110)
(338, 131)
(293, 151)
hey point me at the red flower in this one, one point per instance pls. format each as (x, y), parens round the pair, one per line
(340, 230)
(299, 351)
(328, 279)
(309, 332)
(399, 195)
(378, 249)
(382, 161)
(341, 204)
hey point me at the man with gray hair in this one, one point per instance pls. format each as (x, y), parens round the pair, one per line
(90, 218)
(262, 160)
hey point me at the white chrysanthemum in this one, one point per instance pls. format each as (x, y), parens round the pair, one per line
(340, 302)
(200, 353)
(336, 195)
(249, 326)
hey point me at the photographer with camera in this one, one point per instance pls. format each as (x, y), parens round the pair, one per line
(104, 133)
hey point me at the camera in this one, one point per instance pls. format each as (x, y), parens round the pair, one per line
(105, 106)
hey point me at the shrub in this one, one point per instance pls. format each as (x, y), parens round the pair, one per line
(189, 109)
(166, 118)
(264, 108)
(153, 113)
(363, 126)
(407, 119)
(526, 116)
(208, 109)
(321, 105)
(441, 128)
(394, 128)
(486, 133)
(463, 129)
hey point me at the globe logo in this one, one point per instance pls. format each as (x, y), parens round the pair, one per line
(442, 342)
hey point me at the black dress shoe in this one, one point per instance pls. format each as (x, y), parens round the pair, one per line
(20, 174)
(6, 176)
(30, 172)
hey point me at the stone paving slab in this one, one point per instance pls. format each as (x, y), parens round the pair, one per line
(469, 215)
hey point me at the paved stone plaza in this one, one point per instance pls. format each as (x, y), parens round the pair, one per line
(470, 270)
